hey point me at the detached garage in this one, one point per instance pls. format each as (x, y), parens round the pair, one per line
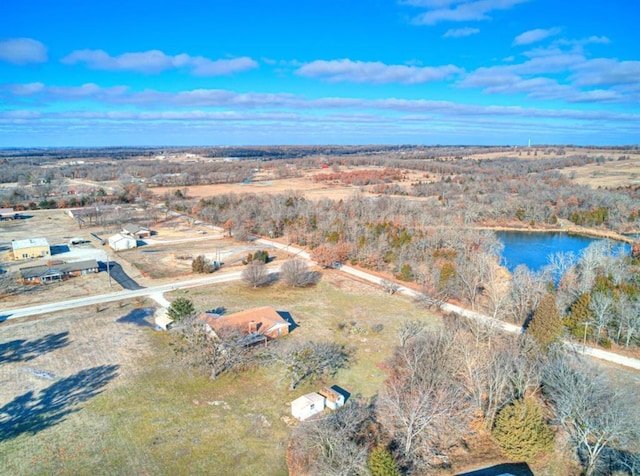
(121, 242)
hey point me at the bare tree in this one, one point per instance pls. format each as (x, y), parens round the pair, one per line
(8, 283)
(589, 408)
(296, 273)
(526, 290)
(309, 360)
(218, 352)
(420, 403)
(560, 263)
(601, 306)
(255, 274)
(389, 286)
(410, 330)
(331, 446)
(628, 319)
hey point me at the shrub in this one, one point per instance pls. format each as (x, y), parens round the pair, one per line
(521, 431)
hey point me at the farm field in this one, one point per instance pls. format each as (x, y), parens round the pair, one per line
(133, 409)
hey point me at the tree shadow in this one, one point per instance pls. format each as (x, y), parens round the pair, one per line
(21, 350)
(514, 469)
(138, 317)
(31, 413)
(620, 461)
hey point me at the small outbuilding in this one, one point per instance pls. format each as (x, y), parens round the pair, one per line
(119, 242)
(333, 398)
(307, 405)
(8, 214)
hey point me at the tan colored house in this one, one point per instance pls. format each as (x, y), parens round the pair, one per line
(262, 323)
(30, 248)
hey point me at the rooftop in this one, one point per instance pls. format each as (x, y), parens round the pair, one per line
(262, 319)
(28, 243)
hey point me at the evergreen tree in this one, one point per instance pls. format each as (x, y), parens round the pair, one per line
(521, 431)
(579, 315)
(546, 325)
(381, 463)
(180, 309)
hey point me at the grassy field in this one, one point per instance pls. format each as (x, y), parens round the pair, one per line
(115, 402)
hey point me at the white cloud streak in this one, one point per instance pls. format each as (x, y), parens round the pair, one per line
(460, 32)
(289, 104)
(156, 61)
(375, 72)
(22, 51)
(534, 36)
(460, 10)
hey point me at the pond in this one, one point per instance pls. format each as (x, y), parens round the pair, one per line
(534, 248)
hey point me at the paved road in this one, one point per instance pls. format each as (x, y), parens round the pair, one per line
(218, 277)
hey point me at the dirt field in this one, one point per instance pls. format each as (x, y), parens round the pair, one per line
(265, 182)
(610, 174)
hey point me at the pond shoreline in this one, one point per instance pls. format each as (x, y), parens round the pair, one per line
(566, 227)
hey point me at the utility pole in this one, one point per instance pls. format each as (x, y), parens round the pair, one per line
(108, 269)
(586, 325)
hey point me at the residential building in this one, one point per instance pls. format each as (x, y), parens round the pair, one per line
(138, 232)
(57, 271)
(262, 323)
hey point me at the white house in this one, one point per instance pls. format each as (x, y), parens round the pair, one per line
(122, 242)
(307, 405)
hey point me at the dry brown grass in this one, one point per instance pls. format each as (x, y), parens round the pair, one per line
(156, 417)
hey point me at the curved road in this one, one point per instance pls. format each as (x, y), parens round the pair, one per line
(219, 277)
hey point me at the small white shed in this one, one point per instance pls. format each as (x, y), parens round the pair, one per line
(122, 242)
(307, 405)
(333, 398)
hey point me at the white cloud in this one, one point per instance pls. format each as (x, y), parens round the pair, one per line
(156, 61)
(375, 72)
(607, 71)
(534, 36)
(206, 67)
(25, 89)
(22, 51)
(459, 11)
(283, 103)
(552, 74)
(460, 32)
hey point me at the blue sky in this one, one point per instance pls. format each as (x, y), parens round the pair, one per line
(116, 72)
